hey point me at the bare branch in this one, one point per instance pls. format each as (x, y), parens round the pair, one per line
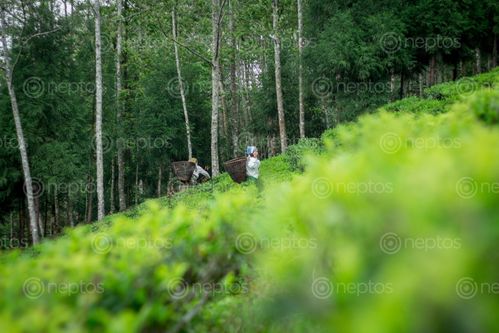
(219, 30)
(40, 34)
(26, 42)
(197, 54)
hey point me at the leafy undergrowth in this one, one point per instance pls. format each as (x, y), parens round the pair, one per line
(440, 98)
(392, 227)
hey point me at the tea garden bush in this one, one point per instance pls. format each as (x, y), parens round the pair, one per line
(389, 224)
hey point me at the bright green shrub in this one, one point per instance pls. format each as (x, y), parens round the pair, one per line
(485, 105)
(417, 105)
(464, 87)
(295, 154)
(135, 275)
(276, 170)
(395, 230)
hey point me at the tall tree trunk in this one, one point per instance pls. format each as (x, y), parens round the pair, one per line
(215, 79)
(141, 190)
(273, 148)
(11, 227)
(223, 105)
(51, 224)
(233, 85)
(181, 85)
(111, 190)
(440, 70)
(70, 211)
(46, 215)
(38, 215)
(86, 206)
(137, 181)
(420, 80)
(478, 61)
(300, 70)
(56, 225)
(119, 113)
(402, 85)
(494, 52)
(90, 201)
(248, 117)
(19, 131)
(160, 175)
(392, 84)
(244, 96)
(278, 85)
(20, 235)
(98, 114)
(431, 72)
(26, 232)
(20, 222)
(326, 113)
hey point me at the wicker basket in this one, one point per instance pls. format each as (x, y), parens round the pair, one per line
(236, 169)
(183, 170)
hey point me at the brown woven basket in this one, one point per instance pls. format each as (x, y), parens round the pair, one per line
(183, 170)
(236, 169)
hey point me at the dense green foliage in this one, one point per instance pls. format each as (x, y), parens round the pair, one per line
(296, 154)
(391, 227)
(358, 55)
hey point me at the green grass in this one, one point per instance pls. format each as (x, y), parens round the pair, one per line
(372, 228)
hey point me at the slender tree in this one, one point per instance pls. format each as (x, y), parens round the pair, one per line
(111, 196)
(28, 185)
(494, 52)
(300, 70)
(233, 83)
(278, 84)
(223, 107)
(181, 84)
(119, 105)
(478, 61)
(215, 81)
(160, 176)
(98, 113)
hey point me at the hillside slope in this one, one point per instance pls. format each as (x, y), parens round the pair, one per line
(391, 227)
